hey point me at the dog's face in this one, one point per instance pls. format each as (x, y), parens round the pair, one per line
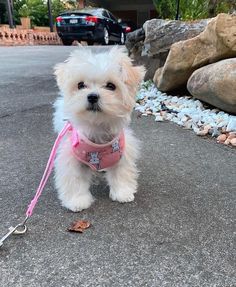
(98, 88)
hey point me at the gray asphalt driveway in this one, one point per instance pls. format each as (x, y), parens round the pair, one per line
(179, 232)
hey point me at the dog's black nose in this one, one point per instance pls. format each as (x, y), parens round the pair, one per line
(93, 98)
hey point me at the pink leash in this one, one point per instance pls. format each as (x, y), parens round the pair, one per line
(22, 228)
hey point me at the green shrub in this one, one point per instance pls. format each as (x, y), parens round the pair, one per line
(193, 9)
(37, 10)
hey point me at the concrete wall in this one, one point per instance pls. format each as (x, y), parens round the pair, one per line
(21, 37)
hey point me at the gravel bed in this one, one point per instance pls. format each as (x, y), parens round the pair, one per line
(187, 112)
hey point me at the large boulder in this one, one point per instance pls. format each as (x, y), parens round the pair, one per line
(161, 34)
(216, 84)
(150, 45)
(133, 41)
(216, 42)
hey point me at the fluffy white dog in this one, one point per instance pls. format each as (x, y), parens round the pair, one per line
(98, 92)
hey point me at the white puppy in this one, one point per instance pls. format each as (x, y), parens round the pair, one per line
(98, 98)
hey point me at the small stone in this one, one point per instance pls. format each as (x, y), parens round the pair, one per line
(233, 141)
(195, 129)
(169, 116)
(188, 125)
(214, 132)
(231, 136)
(149, 112)
(202, 132)
(231, 125)
(207, 127)
(185, 119)
(159, 119)
(221, 138)
(162, 113)
(227, 142)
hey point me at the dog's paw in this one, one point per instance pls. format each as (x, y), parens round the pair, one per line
(78, 203)
(122, 196)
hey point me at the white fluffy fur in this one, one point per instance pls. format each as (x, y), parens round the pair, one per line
(72, 178)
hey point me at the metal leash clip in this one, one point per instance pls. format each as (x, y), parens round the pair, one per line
(19, 229)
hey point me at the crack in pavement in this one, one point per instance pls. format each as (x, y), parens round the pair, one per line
(25, 110)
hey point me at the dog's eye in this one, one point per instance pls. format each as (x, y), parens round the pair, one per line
(81, 85)
(110, 86)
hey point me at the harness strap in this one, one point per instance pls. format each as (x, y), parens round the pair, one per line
(48, 169)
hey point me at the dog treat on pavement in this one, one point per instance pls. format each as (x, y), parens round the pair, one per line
(79, 226)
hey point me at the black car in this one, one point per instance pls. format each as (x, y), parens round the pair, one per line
(91, 25)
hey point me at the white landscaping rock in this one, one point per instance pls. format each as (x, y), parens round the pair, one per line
(184, 111)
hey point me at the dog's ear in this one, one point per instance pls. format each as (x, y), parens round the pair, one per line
(59, 72)
(131, 75)
(134, 74)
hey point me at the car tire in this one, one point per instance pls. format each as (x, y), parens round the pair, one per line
(105, 40)
(122, 38)
(66, 42)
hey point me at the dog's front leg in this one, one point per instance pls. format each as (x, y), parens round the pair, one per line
(123, 181)
(72, 180)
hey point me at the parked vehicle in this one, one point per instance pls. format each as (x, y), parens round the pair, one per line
(91, 25)
(128, 26)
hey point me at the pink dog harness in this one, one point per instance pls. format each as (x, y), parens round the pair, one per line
(97, 156)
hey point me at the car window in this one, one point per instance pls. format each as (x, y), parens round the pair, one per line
(100, 12)
(105, 14)
(94, 12)
(112, 17)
